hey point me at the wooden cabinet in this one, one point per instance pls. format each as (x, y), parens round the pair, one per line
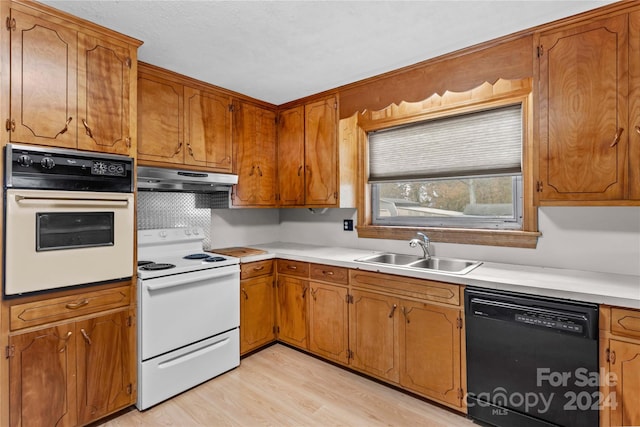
(292, 310)
(70, 86)
(72, 373)
(409, 332)
(584, 127)
(328, 312)
(308, 154)
(634, 106)
(257, 305)
(374, 333)
(71, 358)
(254, 136)
(620, 361)
(183, 122)
(430, 340)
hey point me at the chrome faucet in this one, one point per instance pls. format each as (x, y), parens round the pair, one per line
(422, 240)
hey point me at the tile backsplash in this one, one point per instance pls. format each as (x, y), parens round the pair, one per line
(173, 210)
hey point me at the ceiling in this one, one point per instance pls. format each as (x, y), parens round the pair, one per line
(279, 51)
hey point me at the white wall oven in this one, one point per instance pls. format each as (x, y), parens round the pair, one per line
(68, 218)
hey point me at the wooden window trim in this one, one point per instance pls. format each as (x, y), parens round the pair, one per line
(501, 93)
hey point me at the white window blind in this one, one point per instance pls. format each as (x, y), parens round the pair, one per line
(479, 143)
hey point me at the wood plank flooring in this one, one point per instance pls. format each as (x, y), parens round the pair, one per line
(279, 386)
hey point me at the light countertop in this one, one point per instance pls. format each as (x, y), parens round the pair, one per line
(600, 288)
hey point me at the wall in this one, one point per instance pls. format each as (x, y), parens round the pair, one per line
(605, 239)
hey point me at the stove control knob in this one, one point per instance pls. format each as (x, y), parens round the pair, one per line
(47, 163)
(187, 232)
(163, 234)
(25, 161)
(195, 231)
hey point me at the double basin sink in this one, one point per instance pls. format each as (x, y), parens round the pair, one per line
(415, 262)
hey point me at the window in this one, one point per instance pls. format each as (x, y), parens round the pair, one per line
(462, 171)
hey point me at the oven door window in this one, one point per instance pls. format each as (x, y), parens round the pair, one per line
(70, 230)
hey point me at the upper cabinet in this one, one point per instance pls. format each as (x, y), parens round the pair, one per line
(308, 157)
(589, 113)
(70, 86)
(254, 136)
(183, 122)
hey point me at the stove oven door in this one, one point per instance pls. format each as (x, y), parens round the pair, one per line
(181, 309)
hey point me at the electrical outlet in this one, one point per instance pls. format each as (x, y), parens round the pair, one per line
(348, 225)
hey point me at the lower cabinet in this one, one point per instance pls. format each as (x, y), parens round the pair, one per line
(257, 305)
(620, 360)
(292, 310)
(329, 321)
(73, 373)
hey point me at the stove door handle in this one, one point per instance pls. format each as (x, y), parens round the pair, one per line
(185, 281)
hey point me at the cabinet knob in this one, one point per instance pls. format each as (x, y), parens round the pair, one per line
(616, 138)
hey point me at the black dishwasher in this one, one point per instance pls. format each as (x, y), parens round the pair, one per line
(531, 361)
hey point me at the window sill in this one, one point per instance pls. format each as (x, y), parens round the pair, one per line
(508, 238)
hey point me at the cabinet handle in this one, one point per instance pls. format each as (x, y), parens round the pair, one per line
(178, 149)
(299, 170)
(127, 141)
(612, 357)
(616, 139)
(259, 171)
(393, 310)
(11, 125)
(638, 129)
(66, 126)
(313, 293)
(292, 267)
(258, 268)
(304, 292)
(190, 150)
(77, 305)
(405, 313)
(87, 128)
(246, 295)
(86, 336)
(327, 273)
(65, 339)
(252, 169)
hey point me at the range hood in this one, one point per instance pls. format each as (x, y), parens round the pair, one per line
(162, 179)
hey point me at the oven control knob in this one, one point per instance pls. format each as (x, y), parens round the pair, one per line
(47, 163)
(163, 234)
(195, 231)
(25, 161)
(187, 232)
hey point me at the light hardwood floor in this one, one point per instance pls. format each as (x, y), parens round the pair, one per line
(279, 386)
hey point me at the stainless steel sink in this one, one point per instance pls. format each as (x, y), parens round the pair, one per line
(445, 265)
(391, 258)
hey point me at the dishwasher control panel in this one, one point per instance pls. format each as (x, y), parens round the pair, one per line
(549, 322)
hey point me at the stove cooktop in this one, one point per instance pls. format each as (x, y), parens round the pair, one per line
(175, 251)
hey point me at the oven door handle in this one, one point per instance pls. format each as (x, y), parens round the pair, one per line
(71, 200)
(185, 281)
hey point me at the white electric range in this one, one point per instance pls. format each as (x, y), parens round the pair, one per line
(188, 313)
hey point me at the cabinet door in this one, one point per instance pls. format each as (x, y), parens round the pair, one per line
(625, 366)
(43, 82)
(329, 321)
(583, 111)
(292, 310)
(104, 73)
(207, 129)
(430, 351)
(291, 156)
(634, 105)
(105, 374)
(321, 153)
(257, 313)
(42, 372)
(373, 334)
(160, 116)
(255, 155)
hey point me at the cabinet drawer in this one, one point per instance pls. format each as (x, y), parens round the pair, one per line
(254, 269)
(329, 273)
(405, 286)
(56, 309)
(625, 322)
(293, 268)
